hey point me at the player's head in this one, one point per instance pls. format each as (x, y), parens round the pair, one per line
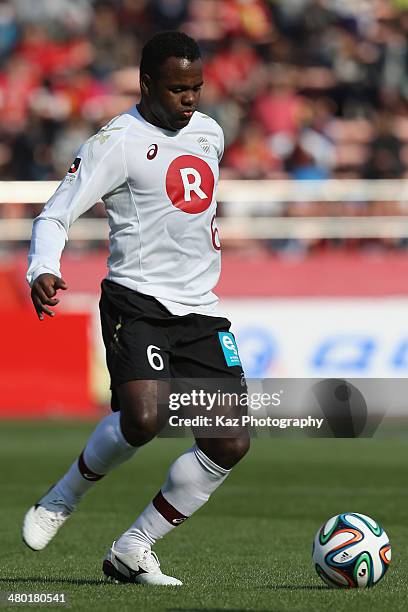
(170, 79)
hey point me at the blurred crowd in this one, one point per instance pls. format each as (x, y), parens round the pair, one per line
(304, 89)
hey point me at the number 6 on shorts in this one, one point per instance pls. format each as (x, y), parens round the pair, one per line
(154, 359)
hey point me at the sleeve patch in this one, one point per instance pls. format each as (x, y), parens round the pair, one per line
(229, 348)
(73, 169)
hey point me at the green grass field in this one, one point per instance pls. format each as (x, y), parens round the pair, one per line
(247, 549)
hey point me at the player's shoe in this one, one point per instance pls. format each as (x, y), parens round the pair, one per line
(43, 520)
(140, 567)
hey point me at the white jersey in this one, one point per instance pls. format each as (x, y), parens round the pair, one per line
(158, 188)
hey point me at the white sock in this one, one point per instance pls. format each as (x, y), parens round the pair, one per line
(105, 450)
(190, 481)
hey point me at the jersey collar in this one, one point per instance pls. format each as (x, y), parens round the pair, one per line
(154, 128)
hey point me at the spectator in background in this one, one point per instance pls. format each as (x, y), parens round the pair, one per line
(8, 29)
(17, 83)
(279, 108)
(228, 111)
(385, 160)
(232, 66)
(250, 157)
(302, 164)
(168, 14)
(47, 56)
(66, 18)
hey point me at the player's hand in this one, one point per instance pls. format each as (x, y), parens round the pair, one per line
(43, 291)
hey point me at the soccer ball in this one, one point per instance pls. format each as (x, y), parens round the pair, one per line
(351, 550)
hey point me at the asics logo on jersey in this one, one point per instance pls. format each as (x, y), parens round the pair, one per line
(190, 184)
(152, 152)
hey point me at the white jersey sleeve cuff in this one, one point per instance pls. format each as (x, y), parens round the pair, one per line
(32, 275)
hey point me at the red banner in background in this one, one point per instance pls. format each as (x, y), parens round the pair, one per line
(331, 274)
(45, 367)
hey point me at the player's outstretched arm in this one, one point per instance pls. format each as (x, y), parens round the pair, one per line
(43, 290)
(99, 169)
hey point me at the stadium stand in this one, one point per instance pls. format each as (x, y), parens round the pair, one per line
(312, 89)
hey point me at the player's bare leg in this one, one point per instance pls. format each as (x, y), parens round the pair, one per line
(191, 479)
(225, 451)
(115, 440)
(139, 418)
(140, 422)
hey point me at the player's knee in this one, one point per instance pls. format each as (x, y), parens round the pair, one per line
(237, 449)
(138, 410)
(226, 452)
(139, 426)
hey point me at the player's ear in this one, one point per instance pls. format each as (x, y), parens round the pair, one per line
(145, 84)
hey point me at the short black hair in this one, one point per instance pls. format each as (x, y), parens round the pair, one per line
(165, 45)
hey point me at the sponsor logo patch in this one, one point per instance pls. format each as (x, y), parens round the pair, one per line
(190, 184)
(229, 348)
(73, 169)
(204, 144)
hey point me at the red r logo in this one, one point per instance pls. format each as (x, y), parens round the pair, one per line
(190, 184)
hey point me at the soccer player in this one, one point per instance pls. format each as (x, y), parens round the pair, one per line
(156, 169)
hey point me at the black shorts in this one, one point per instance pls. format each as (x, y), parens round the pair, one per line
(144, 341)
